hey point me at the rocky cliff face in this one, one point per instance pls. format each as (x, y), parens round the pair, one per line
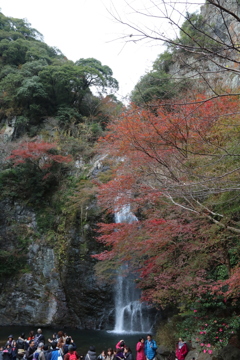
(52, 281)
(219, 68)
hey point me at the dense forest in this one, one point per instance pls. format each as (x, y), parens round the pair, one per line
(171, 155)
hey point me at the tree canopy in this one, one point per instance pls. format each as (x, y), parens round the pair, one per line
(37, 81)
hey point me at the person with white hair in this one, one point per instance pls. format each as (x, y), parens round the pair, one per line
(39, 338)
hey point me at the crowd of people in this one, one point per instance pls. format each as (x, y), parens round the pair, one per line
(62, 347)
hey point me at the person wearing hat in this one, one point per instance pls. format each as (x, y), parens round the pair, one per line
(10, 341)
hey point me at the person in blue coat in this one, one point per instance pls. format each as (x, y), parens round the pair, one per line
(150, 348)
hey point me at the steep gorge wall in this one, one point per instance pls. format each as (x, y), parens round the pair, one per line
(206, 70)
(55, 283)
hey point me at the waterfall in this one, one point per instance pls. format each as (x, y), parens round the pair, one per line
(130, 314)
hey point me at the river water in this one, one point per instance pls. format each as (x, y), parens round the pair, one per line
(83, 338)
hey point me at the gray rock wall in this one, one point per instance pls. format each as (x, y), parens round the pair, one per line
(49, 290)
(208, 71)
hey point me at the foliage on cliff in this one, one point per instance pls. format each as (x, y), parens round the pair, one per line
(48, 103)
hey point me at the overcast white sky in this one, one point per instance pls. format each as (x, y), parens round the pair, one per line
(84, 28)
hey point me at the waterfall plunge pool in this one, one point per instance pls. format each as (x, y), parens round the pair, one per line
(101, 339)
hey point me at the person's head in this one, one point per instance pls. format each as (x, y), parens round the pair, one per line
(31, 343)
(92, 348)
(149, 337)
(10, 338)
(127, 349)
(60, 334)
(14, 343)
(141, 340)
(54, 345)
(40, 345)
(45, 347)
(68, 340)
(103, 353)
(70, 348)
(23, 335)
(8, 346)
(39, 331)
(31, 334)
(110, 351)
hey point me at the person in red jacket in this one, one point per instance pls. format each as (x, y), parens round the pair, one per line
(181, 350)
(140, 353)
(120, 345)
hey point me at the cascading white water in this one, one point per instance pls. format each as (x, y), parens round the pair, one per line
(130, 314)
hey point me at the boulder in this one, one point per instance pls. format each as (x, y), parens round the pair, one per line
(163, 352)
(229, 352)
(205, 356)
(192, 354)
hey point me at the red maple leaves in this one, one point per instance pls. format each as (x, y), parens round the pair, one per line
(170, 160)
(38, 152)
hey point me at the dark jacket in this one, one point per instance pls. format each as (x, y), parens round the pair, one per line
(119, 355)
(14, 352)
(65, 348)
(29, 352)
(47, 354)
(128, 356)
(21, 344)
(7, 354)
(91, 355)
(39, 338)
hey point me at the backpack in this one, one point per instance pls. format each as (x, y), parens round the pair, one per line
(20, 344)
(35, 355)
(72, 356)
